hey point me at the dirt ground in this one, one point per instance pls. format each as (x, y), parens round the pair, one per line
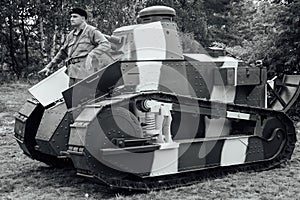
(23, 178)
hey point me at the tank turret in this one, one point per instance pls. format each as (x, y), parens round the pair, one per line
(155, 38)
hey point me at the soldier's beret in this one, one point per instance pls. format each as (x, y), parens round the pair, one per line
(79, 11)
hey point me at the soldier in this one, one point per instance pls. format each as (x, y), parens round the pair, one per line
(82, 47)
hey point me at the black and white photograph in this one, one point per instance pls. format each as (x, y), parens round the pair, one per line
(149, 99)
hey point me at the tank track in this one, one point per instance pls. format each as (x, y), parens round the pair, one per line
(190, 178)
(131, 182)
(26, 125)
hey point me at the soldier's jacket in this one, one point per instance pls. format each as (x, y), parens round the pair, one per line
(76, 48)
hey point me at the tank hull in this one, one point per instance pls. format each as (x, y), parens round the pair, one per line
(142, 163)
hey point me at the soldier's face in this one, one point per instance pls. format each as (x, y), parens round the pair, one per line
(76, 20)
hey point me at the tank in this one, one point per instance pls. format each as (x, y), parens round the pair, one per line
(155, 117)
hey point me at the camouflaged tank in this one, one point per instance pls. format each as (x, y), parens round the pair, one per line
(156, 117)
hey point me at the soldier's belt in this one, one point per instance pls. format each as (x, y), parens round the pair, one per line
(74, 60)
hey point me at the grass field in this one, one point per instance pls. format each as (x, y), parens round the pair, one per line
(23, 178)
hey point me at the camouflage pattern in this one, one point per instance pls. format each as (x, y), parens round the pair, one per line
(156, 111)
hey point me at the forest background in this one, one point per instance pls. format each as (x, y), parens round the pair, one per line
(32, 31)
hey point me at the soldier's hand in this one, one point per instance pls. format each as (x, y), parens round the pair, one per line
(88, 62)
(46, 70)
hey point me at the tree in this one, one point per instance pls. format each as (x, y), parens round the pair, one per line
(268, 30)
(285, 56)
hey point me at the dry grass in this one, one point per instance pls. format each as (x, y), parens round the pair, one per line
(23, 178)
